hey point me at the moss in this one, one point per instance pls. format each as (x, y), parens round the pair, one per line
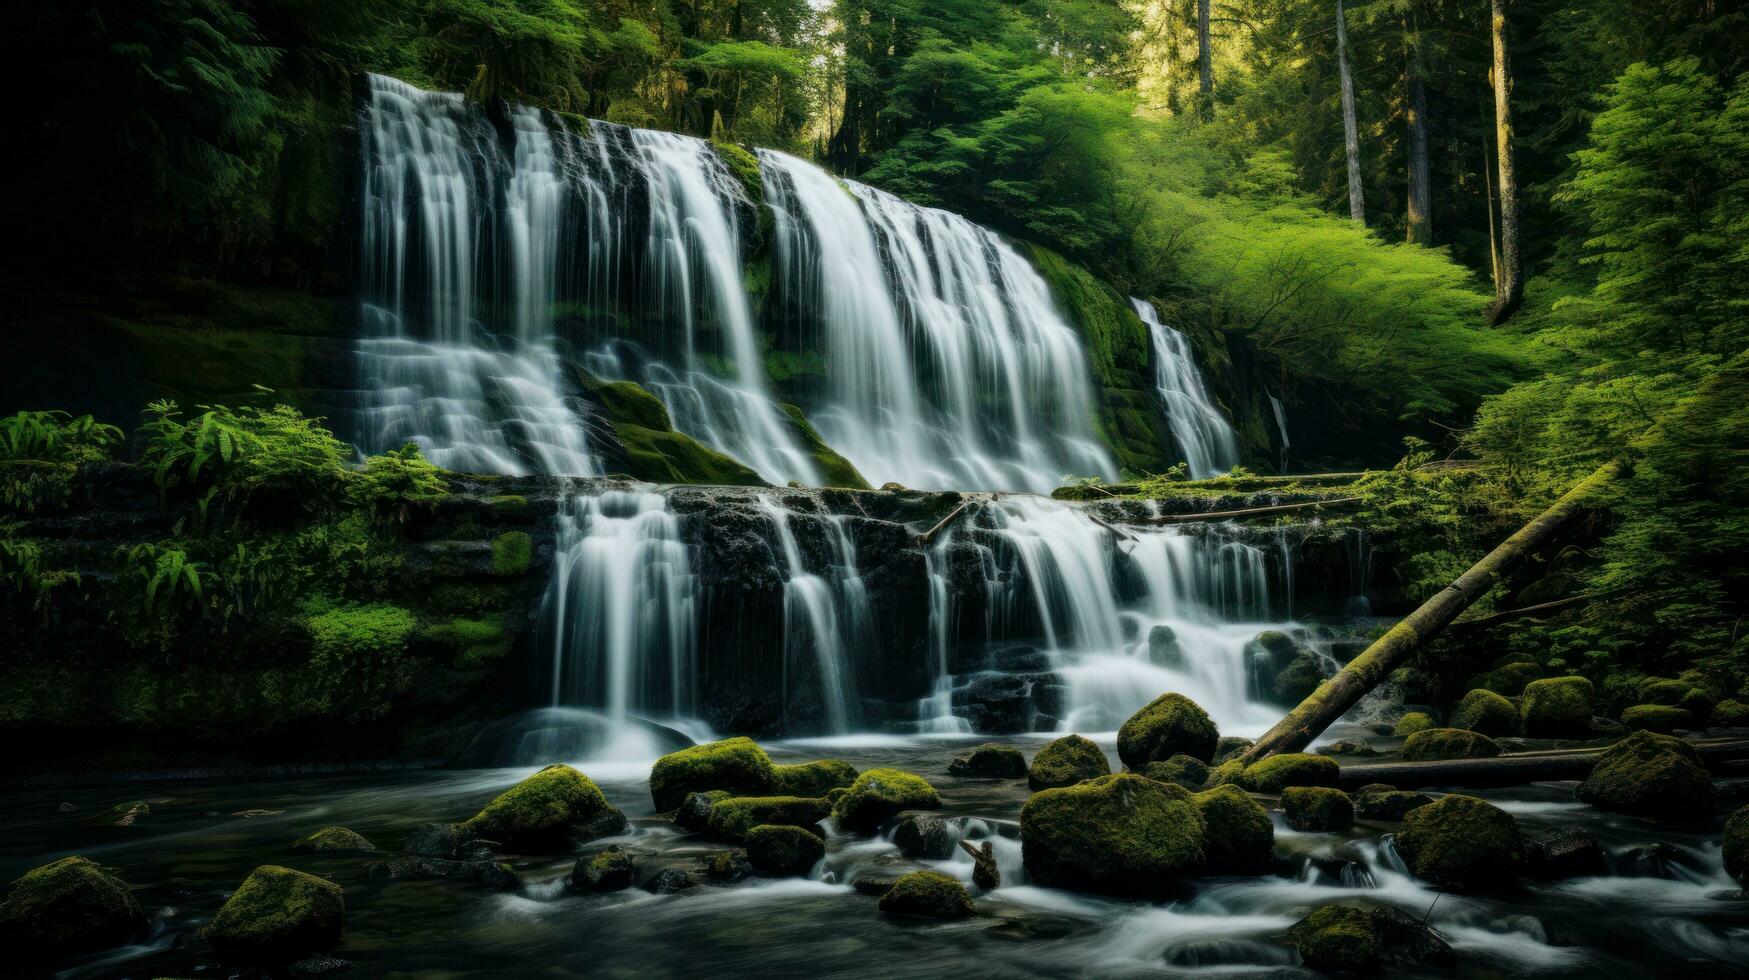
(1238, 836)
(1065, 762)
(508, 508)
(813, 778)
(1730, 714)
(1171, 724)
(992, 760)
(68, 907)
(1414, 721)
(694, 813)
(929, 894)
(1359, 939)
(1276, 773)
(1297, 682)
(1228, 746)
(1228, 773)
(744, 166)
(1387, 805)
(629, 403)
(512, 552)
(726, 867)
(653, 449)
(469, 598)
(1461, 842)
(835, 470)
(1317, 808)
(1657, 718)
(1508, 679)
(738, 765)
(784, 366)
(1485, 713)
(1448, 743)
(277, 916)
(1665, 691)
(1556, 706)
(732, 818)
(334, 839)
(1192, 774)
(547, 812)
(472, 642)
(1649, 775)
(1736, 845)
(1121, 834)
(609, 870)
(782, 849)
(878, 795)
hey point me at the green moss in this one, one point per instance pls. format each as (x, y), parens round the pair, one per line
(813, 778)
(1414, 721)
(70, 906)
(1485, 713)
(608, 870)
(333, 839)
(1065, 762)
(929, 894)
(1317, 808)
(1121, 834)
(992, 760)
(1509, 679)
(835, 470)
(276, 917)
(1657, 718)
(738, 765)
(1556, 706)
(1276, 773)
(744, 165)
(1461, 842)
(1228, 773)
(1171, 724)
(1192, 774)
(1736, 845)
(1297, 682)
(1387, 805)
(732, 818)
(785, 366)
(1649, 775)
(471, 642)
(546, 812)
(783, 849)
(629, 403)
(1665, 691)
(1730, 714)
(878, 795)
(512, 552)
(469, 598)
(1238, 836)
(1448, 743)
(1360, 939)
(508, 508)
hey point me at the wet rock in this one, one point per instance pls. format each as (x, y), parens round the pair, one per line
(929, 894)
(783, 850)
(446, 840)
(732, 818)
(415, 867)
(610, 870)
(1121, 834)
(985, 873)
(725, 867)
(1414, 721)
(66, 808)
(126, 814)
(878, 795)
(1228, 746)
(546, 812)
(873, 886)
(670, 882)
(989, 761)
(68, 907)
(319, 965)
(1238, 836)
(1276, 773)
(1347, 746)
(1649, 775)
(1020, 660)
(813, 778)
(924, 838)
(1448, 743)
(998, 703)
(1556, 706)
(1387, 805)
(738, 765)
(1065, 762)
(1171, 724)
(1485, 713)
(694, 813)
(1736, 846)
(1565, 852)
(1655, 860)
(1297, 681)
(1164, 649)
(1187, 772)
(1317, 809)
(1359, 939)
(334, 839)
(1656, 718)
(1461, 842)
(277, 916)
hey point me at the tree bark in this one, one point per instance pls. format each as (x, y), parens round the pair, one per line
(1509, 289)
(1205, 91)
(1335, 696)
(1350, 128)
(1420, 210)
(1512, 770)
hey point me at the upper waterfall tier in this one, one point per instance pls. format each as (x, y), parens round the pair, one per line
(1207, 441)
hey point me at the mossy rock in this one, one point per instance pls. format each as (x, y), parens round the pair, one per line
(738, 765)
(1228, 746)
(1508, 679)
(334, 839)
(68, 907)
(1730, 714)
(512, 552)
(1121, 834)
(1317, 809)
(1170, 725)
(1736, 846)
(1486, 713)
(782, 849)
(1448, 743)
(834, 469)
(992, 760)
(725, 867)
(1649, 775)
(731, 819)
(927, 894)
(1192, 774)
(812, 778)
(1414, 721)
(1238, 836)
(1228, 773)
(1387, 805)
(1360, 939)
(609, 870)
(548, 811)
(277, 916)
(1656, 718)
(694, 813)
(1297, 681)
(1461, 842)
(1276, 773)
(1665, 691)
(1065, 762)
(1556, 706)
(879, 795)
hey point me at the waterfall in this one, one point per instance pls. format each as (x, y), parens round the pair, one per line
(823, 614)
(1280, 430)
(1209, 445)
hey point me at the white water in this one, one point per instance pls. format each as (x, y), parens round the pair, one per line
(1205, 438)
(823, 616)
(1281, 430)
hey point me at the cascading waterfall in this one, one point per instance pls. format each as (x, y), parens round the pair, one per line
(1280, 430)
(1209, 445)
(823, 614)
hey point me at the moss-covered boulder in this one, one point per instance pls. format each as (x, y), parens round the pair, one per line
(65, 908)
(1649, 775)
(880, 795)
(1121, 834)
(1187, 772)
(991, 760)
(922, 837)
(1065, 762)
(1730, 714)
(1414, 721)
(725, 867)
(1387, 805)
(732, 818)
(1485, 713)
(1278, 772)
(1317, 809)
(1736, 846)
(1238, 836)
(694, 813)
(1170, 725)
(1228, 746)
(1448, 743)
(1656, 718)
(549, 811)
(1556, 706)
(813, 778)
(783, 850)
(1228, 773)
(928, 894)
(609, 870)
(1509, 679)
(1461, 842)
(738, 765)
(333, 839)
(1359, 939)
(277, 916)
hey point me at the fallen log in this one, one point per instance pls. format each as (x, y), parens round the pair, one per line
(1221, 515)
(924, 539)
(1540, 609)
(1336, 695)
(1515, 769)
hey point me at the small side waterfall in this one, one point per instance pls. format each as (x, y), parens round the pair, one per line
(1280, 431)
(1208, 442)
(826, 617)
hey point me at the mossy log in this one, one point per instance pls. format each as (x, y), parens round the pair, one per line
(1222, 515)
(1514, 769)
(1336, 695)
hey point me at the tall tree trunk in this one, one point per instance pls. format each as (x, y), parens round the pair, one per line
(1205, 92)
(1493, 233)
(1420, 214)
(1350, 129)
(1509, 288)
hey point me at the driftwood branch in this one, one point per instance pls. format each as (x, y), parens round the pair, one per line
(1515, 769)
(1221, 515)
(927, 537)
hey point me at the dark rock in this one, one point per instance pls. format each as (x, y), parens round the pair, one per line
(1317, 808)
(1462, 842)
(782, 850)
(67, 907)
(725, 867)
(1238, 836)
(1556, 706)
(1565, 852)
(1649, 775)
(415, 867)
(1278, 772)
(878, 795)
(929, 894)
(989, 761)
(1736, 846)
(1387, 805)
(1485, 713)
(1121, 834)
(694, 813)
(319, 965)
(610, 870)
(924, 838)
(1228, 746)
(985, 873)
(732, 818)
(1164, 649)
(334, 839)
(671, 881)
(1448, 743)
(874, 887)
(1187, 772)
(1358, 939)
(549, 811)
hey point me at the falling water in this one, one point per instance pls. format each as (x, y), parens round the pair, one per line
(821, 613)
(1280, 430)
(1210, 448)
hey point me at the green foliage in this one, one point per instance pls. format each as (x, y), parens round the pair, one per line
(167, 585)
(56, 437)
(397, 481)
(243, 451)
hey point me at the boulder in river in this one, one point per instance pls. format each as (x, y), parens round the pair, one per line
(1462, 842)
(1412, 722)
(1448, 743)
(1656, 718)
(1737, 845)
(783, 850)
(1485, 713)
(991, 760)
(68, 907)
(922, 837)
(334, 839)
(546, 812)
(985, 873)
(732, 818)
(1649, 775)
(725, 867)
(1238, 836)
(1556, 706)
(878, 795)
(1565, 852)
(738, 765)
(1121, 834)
(928, 894)
(671, 881)
(276, 917)
(1192, 774)
(1387, 804)
(1317, 808)
(1168, 725)
(1065, 762)
(1276, 773)
(812, 778)
(609, 870)
(694, 813)
(1358, 939)
(1228, 746)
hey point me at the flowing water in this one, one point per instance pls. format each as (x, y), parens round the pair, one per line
(1203, 435)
